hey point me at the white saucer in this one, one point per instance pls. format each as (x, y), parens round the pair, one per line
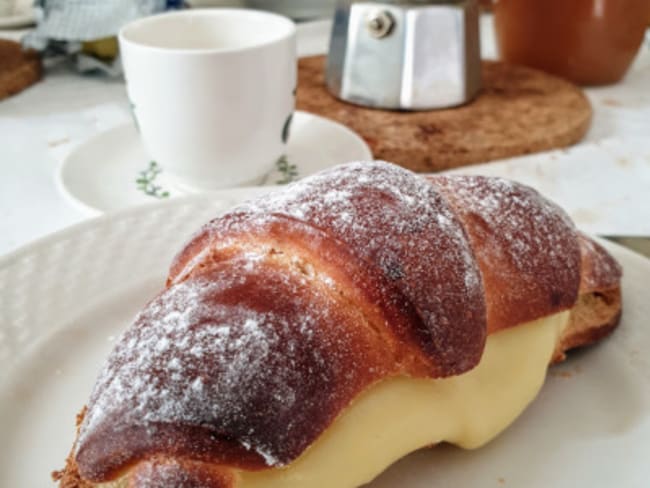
(23, 16)
(111, 171)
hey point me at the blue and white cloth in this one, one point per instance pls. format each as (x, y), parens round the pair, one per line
(63, 25)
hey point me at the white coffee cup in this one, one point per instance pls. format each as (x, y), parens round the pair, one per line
(212, 92)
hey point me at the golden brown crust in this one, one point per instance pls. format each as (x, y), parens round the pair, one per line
(520, 111)
(594, 317)
(160, 471)
(597, 311)
(599, 270)
(277, 316)
(303, 375)
(325, 306)
(514, 231)
(307, 248)
(400, 250)
(69, 476)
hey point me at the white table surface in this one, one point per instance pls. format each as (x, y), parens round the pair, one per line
(41, 124)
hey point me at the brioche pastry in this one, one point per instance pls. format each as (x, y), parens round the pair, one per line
(312, 337)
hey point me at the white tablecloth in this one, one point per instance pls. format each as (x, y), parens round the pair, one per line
(43, 123)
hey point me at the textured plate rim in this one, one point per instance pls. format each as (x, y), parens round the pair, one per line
(228, 199)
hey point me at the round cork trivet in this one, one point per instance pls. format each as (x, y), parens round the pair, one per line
(519, 111)
(18, 68)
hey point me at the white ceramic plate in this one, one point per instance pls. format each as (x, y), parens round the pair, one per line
(102, 173)
(64, 300)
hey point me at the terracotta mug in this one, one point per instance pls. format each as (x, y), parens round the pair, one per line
(590, 42)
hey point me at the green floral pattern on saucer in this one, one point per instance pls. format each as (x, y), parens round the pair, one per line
(288, 172)
(146, 181)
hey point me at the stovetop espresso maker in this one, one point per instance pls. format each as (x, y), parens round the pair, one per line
(405, 55)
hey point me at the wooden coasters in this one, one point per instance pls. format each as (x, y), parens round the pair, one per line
(18, 68)
(519, 111)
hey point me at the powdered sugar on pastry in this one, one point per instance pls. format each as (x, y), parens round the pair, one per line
(282, 310)
(159, 372)
(526, 246)
(246, 357)
(396, 223)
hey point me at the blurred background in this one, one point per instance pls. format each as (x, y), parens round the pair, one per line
(296, 9)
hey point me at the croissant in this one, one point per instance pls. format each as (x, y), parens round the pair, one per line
(313, 336)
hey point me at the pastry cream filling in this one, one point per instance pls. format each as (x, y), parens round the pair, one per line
(400, 415)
